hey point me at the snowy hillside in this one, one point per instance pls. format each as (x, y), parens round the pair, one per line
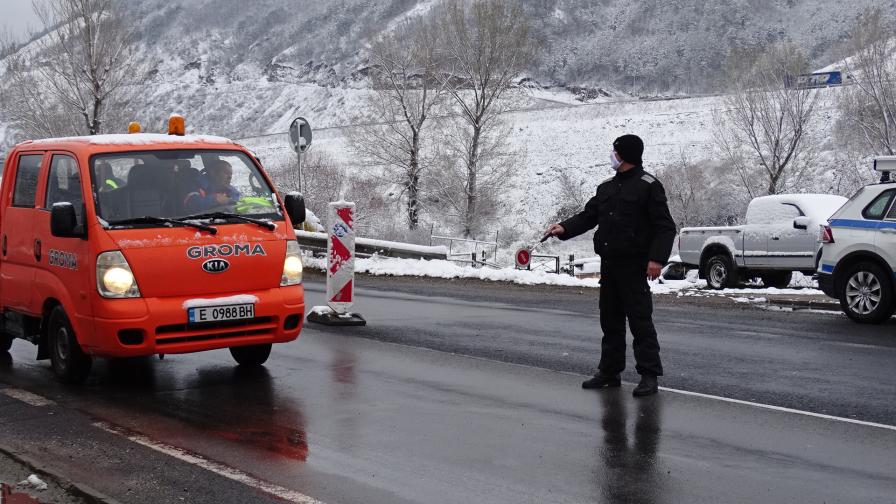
(242, 69)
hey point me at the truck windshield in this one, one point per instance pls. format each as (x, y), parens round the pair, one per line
(130, 186)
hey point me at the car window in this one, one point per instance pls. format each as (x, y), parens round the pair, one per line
(891, 215)
(178, 184)
(64, 184)
(878, 207)
(26, 180)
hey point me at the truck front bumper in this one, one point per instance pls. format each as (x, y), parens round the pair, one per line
(149, 326)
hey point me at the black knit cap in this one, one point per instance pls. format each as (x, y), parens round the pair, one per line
(629, 148)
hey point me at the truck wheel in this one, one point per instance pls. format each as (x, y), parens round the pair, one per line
(777, 279)
(866, 293)
(252, 355)
(70, 363)
(720, 273)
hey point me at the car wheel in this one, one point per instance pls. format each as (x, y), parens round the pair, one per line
(70, 363)
(720, 273)
(866, 293)
(252, 355)
(777, 279)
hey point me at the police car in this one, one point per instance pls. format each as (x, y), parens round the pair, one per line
(858, 255)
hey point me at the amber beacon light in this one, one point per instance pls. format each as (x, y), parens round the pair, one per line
(176, 125)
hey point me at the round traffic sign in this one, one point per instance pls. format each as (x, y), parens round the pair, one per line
(523, 257)
(300, 134)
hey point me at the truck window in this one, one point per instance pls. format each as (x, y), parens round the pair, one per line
(26, 180)
(878, 207)
(178, 184)
(768, 212)
(64, 183)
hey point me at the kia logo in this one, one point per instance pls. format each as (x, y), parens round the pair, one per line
(215, 266)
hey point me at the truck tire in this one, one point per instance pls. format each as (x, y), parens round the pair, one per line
(252, 355)
(720, 273)
(776, 279)
(866, 293)
(70, 363)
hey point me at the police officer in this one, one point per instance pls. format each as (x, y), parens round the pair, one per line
(634, 237)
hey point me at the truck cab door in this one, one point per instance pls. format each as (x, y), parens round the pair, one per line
(20, 250)
(65, 264)
(788, 247)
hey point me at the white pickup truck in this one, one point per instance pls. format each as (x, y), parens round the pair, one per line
(781, 235)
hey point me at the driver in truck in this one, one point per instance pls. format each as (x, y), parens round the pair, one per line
(214, 189)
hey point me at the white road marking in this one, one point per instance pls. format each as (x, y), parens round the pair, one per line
(685, 392)
(27, 397)
(782, 409)
(215, 467)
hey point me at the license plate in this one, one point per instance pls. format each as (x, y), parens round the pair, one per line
(202, 314)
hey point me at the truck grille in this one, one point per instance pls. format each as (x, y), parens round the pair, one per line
(190, 333)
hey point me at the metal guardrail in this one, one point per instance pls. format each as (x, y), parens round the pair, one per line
(479, 246)
(317, 243)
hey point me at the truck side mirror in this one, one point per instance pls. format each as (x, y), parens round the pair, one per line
(295, 208)
(801, 223)
(64, 221)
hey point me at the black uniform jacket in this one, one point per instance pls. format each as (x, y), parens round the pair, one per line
(632, 218)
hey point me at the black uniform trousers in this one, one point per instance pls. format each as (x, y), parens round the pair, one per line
(624, 294)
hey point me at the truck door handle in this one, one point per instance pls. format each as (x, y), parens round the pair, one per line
(37, 250)
(776, 237)
(3, 245)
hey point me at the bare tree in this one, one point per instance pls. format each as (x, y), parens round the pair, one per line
(702, 193)
(764, 133)
(67, 80)
(404, 62)
(683, 182)
(869, 107)
(488, 43)
(451, 186)
(324, 179)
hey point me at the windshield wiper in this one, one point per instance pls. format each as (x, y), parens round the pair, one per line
(228, 215)
(149, 219)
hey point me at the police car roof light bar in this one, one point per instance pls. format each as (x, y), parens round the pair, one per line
(885, 165)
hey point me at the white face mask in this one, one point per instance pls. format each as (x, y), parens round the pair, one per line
(614, 161)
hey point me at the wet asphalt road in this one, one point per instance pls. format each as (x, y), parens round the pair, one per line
(342, 417)
(819, 362)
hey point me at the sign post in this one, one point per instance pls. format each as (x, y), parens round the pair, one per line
(523, 258)
(300, 136)
(340, 269)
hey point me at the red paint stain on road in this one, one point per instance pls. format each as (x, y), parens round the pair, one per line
(7, 496)
(290, 443)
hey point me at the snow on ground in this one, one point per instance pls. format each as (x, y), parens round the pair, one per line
(388, 266)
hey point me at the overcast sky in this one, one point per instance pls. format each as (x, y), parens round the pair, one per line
(17, 16)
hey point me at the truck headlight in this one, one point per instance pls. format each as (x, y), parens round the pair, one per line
(114, 278)
(292, 265)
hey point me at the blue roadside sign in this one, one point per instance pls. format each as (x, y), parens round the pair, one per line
(814, 80)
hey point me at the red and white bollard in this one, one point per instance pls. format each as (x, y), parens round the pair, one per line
(340, 269)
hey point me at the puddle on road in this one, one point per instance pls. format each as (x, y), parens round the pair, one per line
(9, 496)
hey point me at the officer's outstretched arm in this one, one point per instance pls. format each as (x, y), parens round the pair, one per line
(582, 221)
(662, 223)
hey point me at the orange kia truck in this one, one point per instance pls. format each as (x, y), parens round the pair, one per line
(141, 244)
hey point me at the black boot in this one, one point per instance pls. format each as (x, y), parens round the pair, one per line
(648, 386)
(601, 380)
